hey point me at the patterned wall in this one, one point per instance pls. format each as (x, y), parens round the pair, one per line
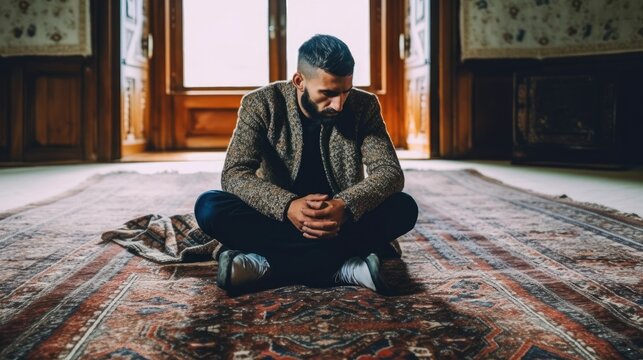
(45, 27)
(549, 28)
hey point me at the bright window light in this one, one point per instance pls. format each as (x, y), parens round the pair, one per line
(225, 43)
(349, 20)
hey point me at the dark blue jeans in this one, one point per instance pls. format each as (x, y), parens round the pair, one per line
(238, 226)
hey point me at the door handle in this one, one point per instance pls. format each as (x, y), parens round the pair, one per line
(148, 46)
(404, 42)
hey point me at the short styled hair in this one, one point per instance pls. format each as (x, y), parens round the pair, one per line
(325, 52)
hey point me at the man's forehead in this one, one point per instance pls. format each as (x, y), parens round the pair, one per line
(332, 82)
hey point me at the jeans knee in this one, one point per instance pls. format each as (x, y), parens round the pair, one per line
(408, 208)
(205, 210)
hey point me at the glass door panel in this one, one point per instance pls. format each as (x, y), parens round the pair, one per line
(347, 20)
(225, 43)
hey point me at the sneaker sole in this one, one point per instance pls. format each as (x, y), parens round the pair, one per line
(225, 268)
(373, 263)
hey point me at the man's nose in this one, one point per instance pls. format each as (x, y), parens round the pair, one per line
(337, 103)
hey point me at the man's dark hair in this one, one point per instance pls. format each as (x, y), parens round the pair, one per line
(325, 52)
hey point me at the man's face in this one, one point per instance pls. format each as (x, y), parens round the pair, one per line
(324, 94)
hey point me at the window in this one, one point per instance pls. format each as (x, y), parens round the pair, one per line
(225, 43)
(347, 20)
(240, 45)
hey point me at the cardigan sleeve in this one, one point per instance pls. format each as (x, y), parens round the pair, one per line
(244, 157)
(385, 176)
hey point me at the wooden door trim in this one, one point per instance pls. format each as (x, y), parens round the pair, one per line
(5, 123)
(161, 105)
(16, 114)
(277, 44)
(393, 99)
(434, 79)
(446, 58)
(108, 34)
(378, 46)
(455, 86)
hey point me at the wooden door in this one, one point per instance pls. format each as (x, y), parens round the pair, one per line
(415, 49)
(186, 117)
(136, 48)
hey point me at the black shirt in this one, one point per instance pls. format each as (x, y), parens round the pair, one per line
(311, 178)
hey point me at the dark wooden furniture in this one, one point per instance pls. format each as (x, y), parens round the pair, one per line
(568, 116)
(64, 108)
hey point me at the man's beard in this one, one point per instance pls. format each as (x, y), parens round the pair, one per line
(326, 116)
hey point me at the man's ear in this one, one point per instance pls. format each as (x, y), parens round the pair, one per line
(299, 81)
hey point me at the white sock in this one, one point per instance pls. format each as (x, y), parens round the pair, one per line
(355, 272)
(247, 268)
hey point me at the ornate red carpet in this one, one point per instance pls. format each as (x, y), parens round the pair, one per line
(488, 272)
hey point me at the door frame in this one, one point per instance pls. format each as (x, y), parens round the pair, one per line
(165, 120)
(454, 87)
(108, 135)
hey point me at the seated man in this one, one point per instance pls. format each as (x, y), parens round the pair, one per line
(296, 205)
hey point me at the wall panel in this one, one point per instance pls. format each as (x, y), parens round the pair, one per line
(215, 122)
(492, 111)
(53, 108)
(210, 127)
(477, 96)
(60, 108)
(203, 121)
(4, 114)
(615, 78)
(56, 109)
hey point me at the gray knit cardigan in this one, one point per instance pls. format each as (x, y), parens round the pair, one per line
(265, 151)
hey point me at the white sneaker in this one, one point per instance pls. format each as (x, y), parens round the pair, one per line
(355, 272)
(238, 270)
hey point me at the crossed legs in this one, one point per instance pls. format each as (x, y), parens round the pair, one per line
(291, 256)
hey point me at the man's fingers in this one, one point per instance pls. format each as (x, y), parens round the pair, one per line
(317, 214)
(317, 205)
(302, 218)
(315, 237)
(314, 234)
(308, 236)
(321, 225)
(309, 231)
(316, 197)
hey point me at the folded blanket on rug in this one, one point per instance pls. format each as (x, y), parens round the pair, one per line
(178, 238)
(165, 240)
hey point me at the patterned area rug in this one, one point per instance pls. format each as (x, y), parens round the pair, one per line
(488, 272)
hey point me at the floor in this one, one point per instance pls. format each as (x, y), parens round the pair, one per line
(621, 190)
